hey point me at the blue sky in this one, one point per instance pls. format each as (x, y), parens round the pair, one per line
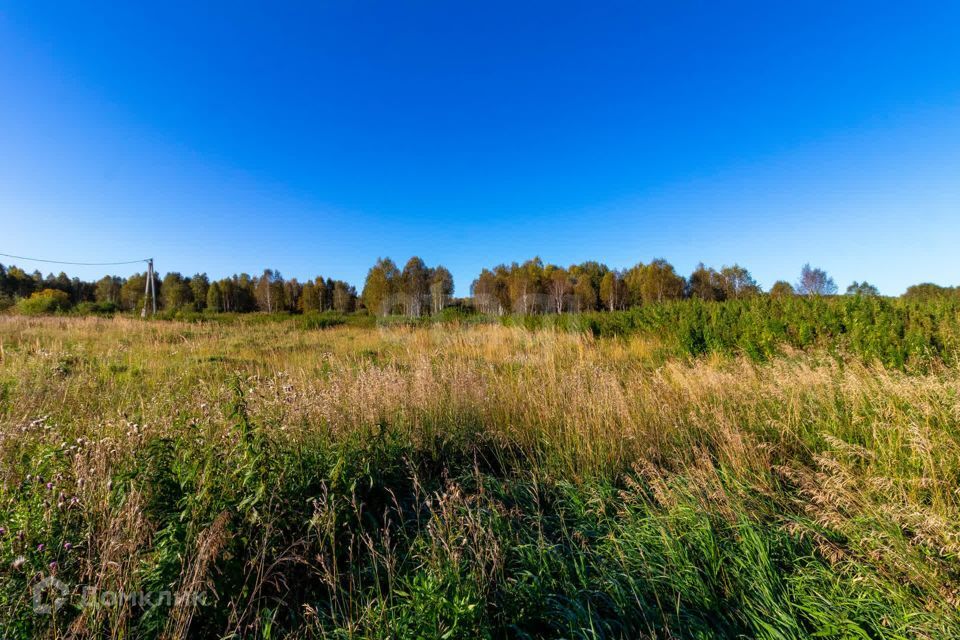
(315, 137)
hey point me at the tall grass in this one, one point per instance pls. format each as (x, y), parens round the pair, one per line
(470, 481)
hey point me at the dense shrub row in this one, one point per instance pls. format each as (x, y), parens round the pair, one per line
(895, 332)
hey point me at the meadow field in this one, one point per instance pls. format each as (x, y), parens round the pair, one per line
(654, 474)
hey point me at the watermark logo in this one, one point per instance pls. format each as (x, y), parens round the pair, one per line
(50, 595)
(42, 591)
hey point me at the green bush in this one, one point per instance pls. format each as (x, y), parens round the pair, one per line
(96, 308)
(457, 313)
(181, 314)
(321, 320)
(45, 301)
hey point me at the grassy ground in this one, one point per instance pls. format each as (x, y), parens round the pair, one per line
(467, 482)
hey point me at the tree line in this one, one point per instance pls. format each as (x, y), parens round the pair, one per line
(240, 293)
(531, 287)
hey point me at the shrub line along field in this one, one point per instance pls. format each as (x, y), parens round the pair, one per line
(759, 468)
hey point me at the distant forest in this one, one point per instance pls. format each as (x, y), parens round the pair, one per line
(531, 287)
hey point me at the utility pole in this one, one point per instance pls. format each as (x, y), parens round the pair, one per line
(149, 291)
(153, 286)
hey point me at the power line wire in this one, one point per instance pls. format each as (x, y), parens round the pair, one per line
(80, 264)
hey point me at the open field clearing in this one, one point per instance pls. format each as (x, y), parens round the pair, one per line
(467, 481)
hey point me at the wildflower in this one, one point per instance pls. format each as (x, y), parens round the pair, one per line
(18, 562)
(53, 566)
(41, 547)
(3, 531)
(49, 486)
(67, 546)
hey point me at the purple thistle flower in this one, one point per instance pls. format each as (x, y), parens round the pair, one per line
(41, 547)
(68, 546)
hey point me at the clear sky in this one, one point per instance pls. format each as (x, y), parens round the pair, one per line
(315, 137)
